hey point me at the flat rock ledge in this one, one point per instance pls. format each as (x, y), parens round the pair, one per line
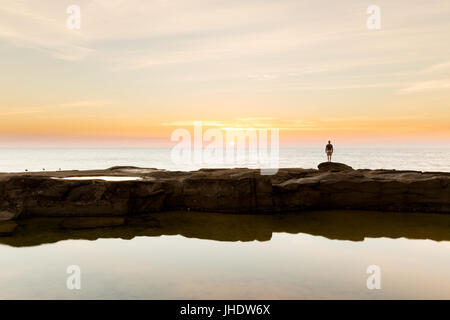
(333, 186)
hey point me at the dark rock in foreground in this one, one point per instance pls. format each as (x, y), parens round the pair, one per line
(334, 166)
(7, 228)
(6, 216)
(334, 186)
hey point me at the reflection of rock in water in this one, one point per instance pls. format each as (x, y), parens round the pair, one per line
(342, 225)
(91, 223)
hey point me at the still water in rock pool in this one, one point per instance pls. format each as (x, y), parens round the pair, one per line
(188, 255)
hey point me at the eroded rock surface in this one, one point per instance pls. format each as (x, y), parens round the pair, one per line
(6, 216)
(334, 186)
(334, 166)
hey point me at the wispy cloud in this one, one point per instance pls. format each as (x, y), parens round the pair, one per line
(249, 123)
(425, 86)
(24, 24)
(257, 119)
(96, 103)
(191, 123)
(262, 76)
(438, 67)
(99, 103)
(179, 32)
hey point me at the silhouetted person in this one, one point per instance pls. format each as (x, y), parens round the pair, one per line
(329, 150)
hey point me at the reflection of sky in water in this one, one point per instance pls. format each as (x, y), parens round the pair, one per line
(173, 267)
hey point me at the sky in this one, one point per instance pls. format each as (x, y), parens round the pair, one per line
(136, 71)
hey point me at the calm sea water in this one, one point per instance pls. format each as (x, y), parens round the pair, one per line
(422, 159)
(318, 255)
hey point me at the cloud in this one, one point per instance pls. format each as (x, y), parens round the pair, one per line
(85, 103)
(25, 25)
(249, 123)
(285, 44)
(66, 105)
(425, 86)
(262, 77)
(191, 123)
(438, 67)
(257, 119)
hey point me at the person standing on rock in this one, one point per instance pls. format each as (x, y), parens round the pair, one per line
(329, 150)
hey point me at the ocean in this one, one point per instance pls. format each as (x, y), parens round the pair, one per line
(50, 159)
(188, 255)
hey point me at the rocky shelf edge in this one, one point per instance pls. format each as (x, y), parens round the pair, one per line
(333, 186)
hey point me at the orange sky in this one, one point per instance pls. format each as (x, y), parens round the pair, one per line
(136, 71)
